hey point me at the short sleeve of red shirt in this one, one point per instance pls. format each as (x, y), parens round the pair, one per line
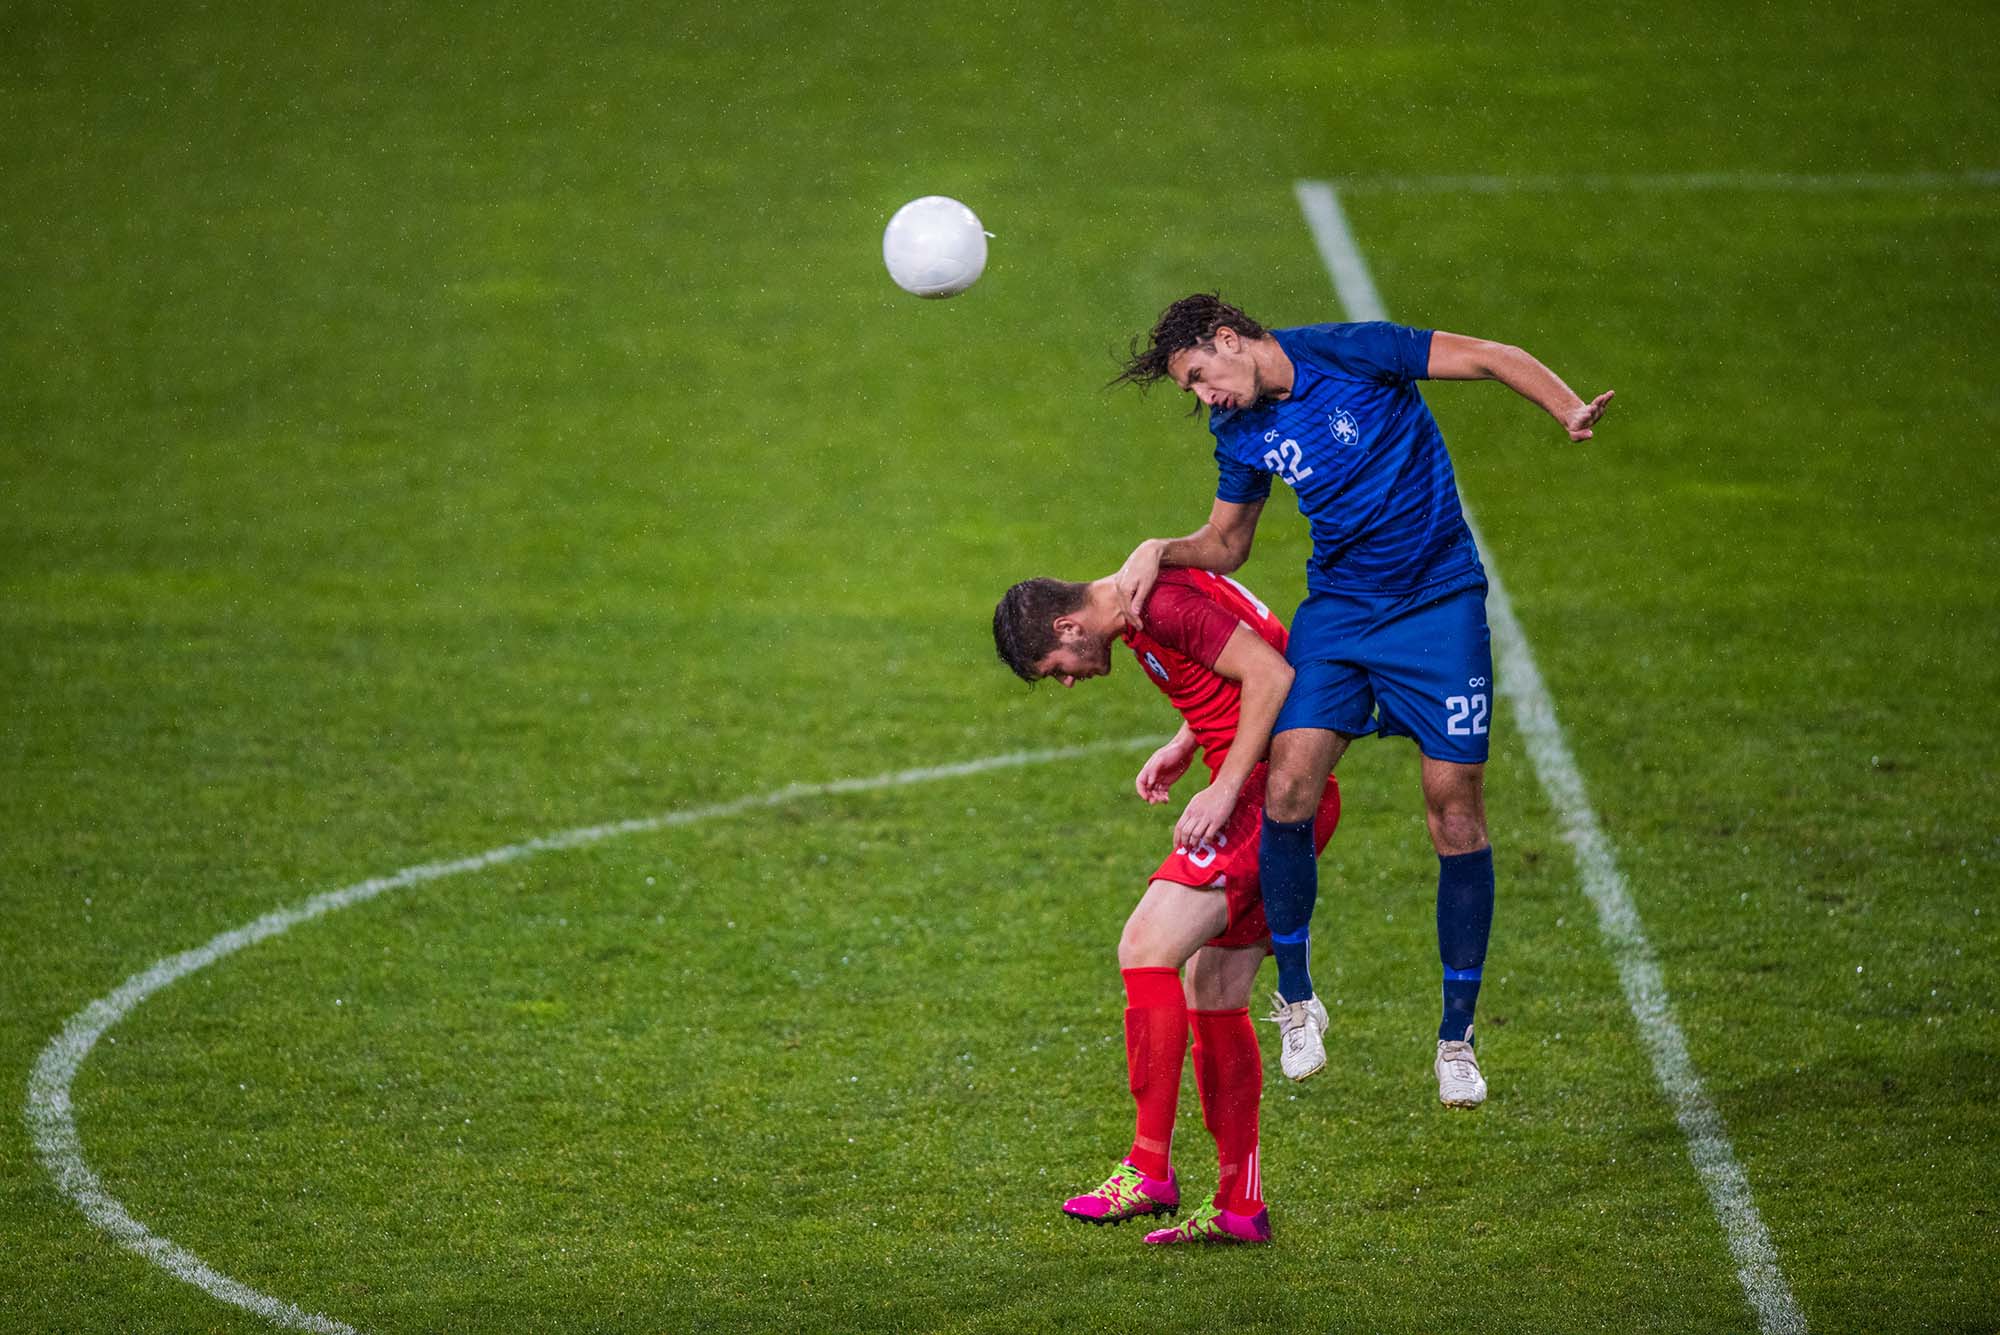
(1185, 621)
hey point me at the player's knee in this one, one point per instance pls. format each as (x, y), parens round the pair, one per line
(1213, 985)
(1292, 795)
(1455, 808)
(1199, 980)
(1457, 827)
(1141, 948)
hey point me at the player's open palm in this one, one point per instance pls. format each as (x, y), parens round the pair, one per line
(1584, 416)
(1162, 770)
(1207, 812)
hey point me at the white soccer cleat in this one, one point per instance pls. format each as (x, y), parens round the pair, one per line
(1301, 1050)
(1459, 1083)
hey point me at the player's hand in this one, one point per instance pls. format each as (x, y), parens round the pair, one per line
(1581, 418)
(1162, 771)
(1136, 577)
(1206, 814)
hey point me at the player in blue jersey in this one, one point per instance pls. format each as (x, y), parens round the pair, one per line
(1392, 636)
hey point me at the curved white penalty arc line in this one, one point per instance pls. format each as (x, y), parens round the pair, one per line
(52, 1121)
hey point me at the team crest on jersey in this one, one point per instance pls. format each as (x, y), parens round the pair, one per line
(1153, 666)
(1343, 426)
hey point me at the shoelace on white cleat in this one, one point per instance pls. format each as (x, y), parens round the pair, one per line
(1282, 1012)
(1460, 1062)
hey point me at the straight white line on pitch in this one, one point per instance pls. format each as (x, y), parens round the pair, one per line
(52, 1121)
(1607, 182)
(1617, 916)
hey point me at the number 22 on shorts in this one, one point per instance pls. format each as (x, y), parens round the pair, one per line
(1466, 714)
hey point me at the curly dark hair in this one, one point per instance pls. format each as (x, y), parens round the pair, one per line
(1190, 322)
(1024, 629)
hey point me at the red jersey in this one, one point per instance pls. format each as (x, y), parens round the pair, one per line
(1190, 616)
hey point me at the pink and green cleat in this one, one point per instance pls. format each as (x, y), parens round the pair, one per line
(1126, 1194)
(1211, 1224)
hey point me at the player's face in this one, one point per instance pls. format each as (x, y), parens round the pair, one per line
(1221, 373)
(1077, 657)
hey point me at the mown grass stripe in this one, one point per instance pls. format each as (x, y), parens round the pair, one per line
(1617, 916)
(52, 1121)
(1598, 183)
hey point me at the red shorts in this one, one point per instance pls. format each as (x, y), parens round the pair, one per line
(1228, 862)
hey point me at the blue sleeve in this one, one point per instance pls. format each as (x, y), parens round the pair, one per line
(1239, 483)
(1374, 349)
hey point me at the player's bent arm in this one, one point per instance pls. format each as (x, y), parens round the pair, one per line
(1220, 545)
(1266, 678)
(1458, 357)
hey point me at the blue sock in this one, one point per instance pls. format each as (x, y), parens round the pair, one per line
(1465, 920)
(1290, 876)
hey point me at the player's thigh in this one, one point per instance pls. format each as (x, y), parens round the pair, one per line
(1300, 761)
(1169, 924)
(1219, 978)
(1432, 671)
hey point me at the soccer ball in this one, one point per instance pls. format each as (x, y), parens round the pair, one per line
(934, 247)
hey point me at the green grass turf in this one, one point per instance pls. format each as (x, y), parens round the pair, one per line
(424, 430)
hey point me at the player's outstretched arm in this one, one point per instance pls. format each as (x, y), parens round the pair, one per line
(1221, 545)
(1266, 678)
(1163, 769)
(1457, 357)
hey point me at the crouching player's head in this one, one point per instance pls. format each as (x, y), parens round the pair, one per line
(1055, 628)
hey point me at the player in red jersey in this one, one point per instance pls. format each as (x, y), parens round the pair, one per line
(1218, 655)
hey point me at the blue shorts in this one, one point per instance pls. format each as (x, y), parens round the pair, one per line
(1416, 665)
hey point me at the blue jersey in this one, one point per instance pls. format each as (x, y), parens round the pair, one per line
(1359, 447)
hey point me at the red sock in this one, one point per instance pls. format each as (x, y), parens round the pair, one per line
(1229, 1072)
(1156, 1028)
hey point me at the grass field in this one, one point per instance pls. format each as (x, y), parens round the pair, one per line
(426, 429)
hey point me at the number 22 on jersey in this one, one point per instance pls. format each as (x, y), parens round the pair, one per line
(1287, 461)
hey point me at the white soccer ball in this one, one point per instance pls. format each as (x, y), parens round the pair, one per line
(934, 247)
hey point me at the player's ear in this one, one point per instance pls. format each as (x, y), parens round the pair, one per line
(1227, 339)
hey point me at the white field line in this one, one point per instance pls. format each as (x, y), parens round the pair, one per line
(1597, 183)
(52, 1122)
(1617, 916)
